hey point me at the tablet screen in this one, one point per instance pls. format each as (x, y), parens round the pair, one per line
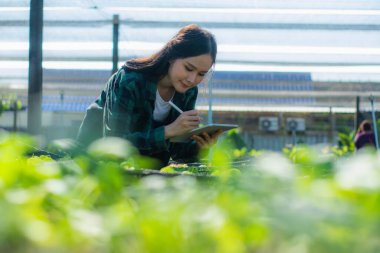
(210, 129)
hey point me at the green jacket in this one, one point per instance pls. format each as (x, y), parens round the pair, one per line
(125, 107)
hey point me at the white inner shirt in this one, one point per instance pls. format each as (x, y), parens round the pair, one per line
(161, 108)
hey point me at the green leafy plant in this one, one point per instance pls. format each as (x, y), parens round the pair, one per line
(304, 200)
(345, 144)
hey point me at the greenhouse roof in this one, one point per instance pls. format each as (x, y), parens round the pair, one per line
(322, 41)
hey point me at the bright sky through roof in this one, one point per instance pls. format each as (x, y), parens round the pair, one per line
(223, 48)
(344, 56)
(212, 10)
(221, 67)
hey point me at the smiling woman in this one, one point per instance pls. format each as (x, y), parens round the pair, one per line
(184, 74)
(135, 104)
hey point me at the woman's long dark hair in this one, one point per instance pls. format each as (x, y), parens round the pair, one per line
(365, 126)
(190, 41)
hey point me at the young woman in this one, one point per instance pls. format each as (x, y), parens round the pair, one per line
(364, 136)
(135, 103)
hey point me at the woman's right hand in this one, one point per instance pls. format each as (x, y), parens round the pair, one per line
(187, 121)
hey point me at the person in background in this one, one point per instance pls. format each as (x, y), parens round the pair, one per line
(135, 102)
(364, 136)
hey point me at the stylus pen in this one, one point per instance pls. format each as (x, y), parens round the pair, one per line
(175, 107)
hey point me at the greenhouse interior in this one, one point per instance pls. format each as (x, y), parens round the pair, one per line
(291, 165)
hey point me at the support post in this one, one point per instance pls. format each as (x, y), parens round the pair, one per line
(35, 67)
(357, 114)
(14, 104)
(374, 122)
(115, 47)
(332, 126)
(209, 121)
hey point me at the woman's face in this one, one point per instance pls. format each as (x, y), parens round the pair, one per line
(188, 72)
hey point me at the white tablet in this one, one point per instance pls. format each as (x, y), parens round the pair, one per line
(210, 129)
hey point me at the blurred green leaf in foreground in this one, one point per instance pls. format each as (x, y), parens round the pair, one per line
(306, 200)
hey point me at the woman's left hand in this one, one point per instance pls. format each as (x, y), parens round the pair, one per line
(204, 140)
